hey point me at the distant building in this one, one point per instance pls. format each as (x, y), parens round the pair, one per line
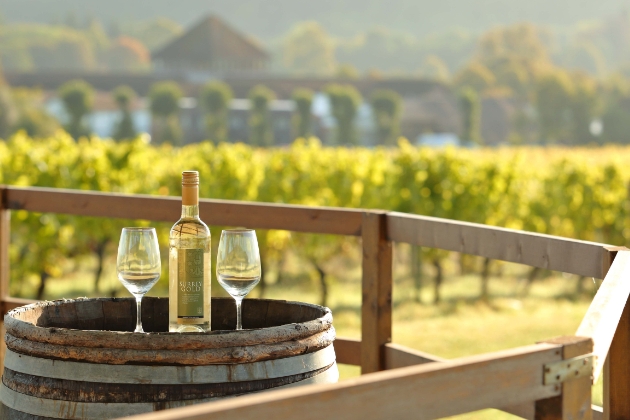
(497, 114)
(436, 111)
(193, 121)
(438, 140)
(210, 49)
(105, 114)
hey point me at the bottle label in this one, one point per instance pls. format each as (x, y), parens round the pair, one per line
(190, 283)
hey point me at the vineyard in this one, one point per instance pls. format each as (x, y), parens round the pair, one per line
(578, 193)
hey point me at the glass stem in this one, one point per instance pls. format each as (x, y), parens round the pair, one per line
(239, 319)
(139, 314)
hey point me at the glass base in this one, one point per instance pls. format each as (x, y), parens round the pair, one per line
(188, 328)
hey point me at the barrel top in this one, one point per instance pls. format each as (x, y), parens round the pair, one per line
(109, 323)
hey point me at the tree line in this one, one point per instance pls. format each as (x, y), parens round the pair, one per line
(164, 97)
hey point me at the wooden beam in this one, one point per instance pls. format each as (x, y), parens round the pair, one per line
(397, 356)
(429, 391)
(574, 403)
(543, 251)
(617, 366)
(605, 311)
(598, 412)
(10, 303)
(376, 306)
(5, 239)
(348, 351)
(328, 220)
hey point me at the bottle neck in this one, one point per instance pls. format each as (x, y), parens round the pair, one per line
(190, 212)
(190, 201)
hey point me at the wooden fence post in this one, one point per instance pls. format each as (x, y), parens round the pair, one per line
(5, 225)
(617, 371)
(574, 402)
(376, 308)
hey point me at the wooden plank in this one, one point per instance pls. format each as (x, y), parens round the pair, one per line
(429, 391)
(376, 306)
(617, 371)
(348, 351)
(609, 257)
(597, 412)
(526, 410)
(605, 312)
(574, 403)
(10, 303)
(544, 251)
(5, 238)
(397, 356)
(329, 220)
(606, 389)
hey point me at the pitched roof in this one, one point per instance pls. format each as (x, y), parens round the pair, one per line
(210, 40)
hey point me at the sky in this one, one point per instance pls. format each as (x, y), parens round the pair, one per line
(267, 19)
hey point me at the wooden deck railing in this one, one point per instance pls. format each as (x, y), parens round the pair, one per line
(411, 381)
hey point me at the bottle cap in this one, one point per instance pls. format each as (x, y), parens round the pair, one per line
(190, 178)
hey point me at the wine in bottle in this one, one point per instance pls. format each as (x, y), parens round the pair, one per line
(189, 264)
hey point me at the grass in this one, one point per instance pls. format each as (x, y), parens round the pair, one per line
(459, 325)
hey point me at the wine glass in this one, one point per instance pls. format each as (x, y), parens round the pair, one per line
(138, 264)
(238, 265)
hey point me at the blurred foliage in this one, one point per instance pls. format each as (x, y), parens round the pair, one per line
(616, 96)
(579, 193)
(470, 108)
(215, 98)
(345, 101)
(260, 124)
(395, 52)
(347, 71)
(29, 47)
(164, 104)
(303, 117)
(386, 109)
(31, 116)
(308, 49)
(153, 33)
(7, 111)
(476, 76)
(74, 47)
(567, 104)
(78, 98)
(434, 68)
(127, 54)
(124, 97)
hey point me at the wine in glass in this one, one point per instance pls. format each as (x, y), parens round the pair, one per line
(138, 264)
(238, 265)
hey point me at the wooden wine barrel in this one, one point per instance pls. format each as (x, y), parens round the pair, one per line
(79, 359)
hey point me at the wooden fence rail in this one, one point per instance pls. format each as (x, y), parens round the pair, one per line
(421, 392)
(416, 382)
(583, 258)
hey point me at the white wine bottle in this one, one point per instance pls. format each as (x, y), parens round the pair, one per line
(189, 264)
